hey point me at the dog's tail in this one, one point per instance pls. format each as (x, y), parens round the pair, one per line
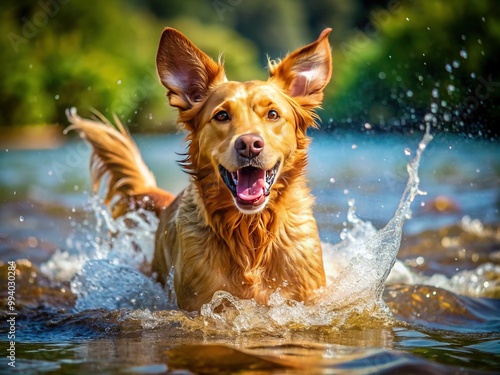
(131, 184)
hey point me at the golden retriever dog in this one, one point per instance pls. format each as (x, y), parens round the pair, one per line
(245, 223)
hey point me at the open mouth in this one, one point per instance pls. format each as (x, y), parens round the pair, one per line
(249, 185)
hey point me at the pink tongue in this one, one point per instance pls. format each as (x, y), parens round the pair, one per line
(251, 184)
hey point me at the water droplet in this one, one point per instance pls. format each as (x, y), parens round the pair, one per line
(50, 173)
(21, 219)
(473, 75)
(409, 93)
(119, 82)
(464, 37)
(368, 126)
(463, 54)
(332, 180)
(447, 117)
(407, 151)
(483, 19)
(479, 41)
(76, 188)
(434, 107)
(32, 241)
(444, 103)
(448, 68)
(451, 88)
(354, 146)
(56, 97)
(429, 117)
(381, 75)
(407, 19)
(435, 93)
(456, 64)
(346, 191)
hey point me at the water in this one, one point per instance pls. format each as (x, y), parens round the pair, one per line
(84, 305)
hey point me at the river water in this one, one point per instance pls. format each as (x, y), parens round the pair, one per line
(83, 306)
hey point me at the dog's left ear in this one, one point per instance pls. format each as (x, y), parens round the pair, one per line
(304, 73)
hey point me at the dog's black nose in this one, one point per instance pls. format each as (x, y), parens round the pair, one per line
(249, 145)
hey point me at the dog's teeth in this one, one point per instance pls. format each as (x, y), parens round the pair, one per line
(269, 176)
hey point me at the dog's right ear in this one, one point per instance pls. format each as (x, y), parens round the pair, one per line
(186, 71)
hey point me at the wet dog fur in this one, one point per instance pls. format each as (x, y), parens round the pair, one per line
(244, 224)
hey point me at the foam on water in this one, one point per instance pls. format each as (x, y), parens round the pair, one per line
(105, 269)
(482, 281)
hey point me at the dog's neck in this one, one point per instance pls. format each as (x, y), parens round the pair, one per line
(249, 236)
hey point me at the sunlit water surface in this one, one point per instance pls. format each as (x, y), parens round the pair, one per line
(84, 306)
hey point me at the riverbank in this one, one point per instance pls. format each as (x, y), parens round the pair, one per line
(31, 137)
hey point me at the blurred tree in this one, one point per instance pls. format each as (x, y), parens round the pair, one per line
(101, 55)
(435, 57)
(394, 60)
(58, 55)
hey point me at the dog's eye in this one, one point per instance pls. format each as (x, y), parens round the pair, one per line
(273, 115)
(221, 116)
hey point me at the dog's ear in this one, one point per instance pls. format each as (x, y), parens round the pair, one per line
(185, 70)
(304, 73)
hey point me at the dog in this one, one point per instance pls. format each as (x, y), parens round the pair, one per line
(245, 223)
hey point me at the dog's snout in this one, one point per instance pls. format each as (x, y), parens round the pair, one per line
(249, 145)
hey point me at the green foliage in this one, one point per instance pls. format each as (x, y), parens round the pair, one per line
(393, 60)
(436, 57)
(97, 55)
(77, 57)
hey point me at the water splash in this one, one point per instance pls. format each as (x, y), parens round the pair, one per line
(107, 260)
(107, 284)
(357, 269)
(109, 266)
